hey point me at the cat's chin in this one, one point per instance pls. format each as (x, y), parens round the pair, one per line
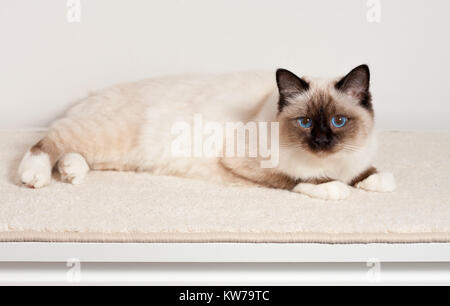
(323, 153)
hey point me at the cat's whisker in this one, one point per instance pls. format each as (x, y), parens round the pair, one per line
(352, 149)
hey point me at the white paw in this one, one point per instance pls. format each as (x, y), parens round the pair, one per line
(378, 182)
(73, 168)
(333, 191)
(35, 171)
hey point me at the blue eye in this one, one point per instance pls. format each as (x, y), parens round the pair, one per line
(304, 122)
(339, 121)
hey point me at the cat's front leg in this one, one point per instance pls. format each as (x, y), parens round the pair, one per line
(375, 181)
(332, 191)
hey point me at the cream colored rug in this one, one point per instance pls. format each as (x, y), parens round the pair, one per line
(139, 207)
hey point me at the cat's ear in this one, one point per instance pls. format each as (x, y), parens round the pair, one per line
(289, 85)
(356, 83)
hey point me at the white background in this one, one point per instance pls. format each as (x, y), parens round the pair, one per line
(47, 63)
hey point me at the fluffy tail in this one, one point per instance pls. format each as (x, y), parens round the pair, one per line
(35, 170)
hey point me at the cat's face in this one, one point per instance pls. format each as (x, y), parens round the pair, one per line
(325, 117)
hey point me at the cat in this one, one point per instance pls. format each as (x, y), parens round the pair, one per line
(326, 132)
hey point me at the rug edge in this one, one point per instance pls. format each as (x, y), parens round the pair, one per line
(310, 238)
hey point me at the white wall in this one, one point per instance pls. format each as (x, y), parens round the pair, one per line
(47, 63)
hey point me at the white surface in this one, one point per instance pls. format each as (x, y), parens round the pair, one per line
(47, 63)
(260, 274)
(222, 253)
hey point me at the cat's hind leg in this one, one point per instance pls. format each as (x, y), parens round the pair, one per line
(73, 168)
(35, 170)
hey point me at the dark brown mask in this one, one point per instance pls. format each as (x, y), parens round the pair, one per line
(325, 116)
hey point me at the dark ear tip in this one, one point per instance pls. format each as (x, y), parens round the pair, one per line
(282, 74)
(281, 71)
(359, 77)
(364, 67)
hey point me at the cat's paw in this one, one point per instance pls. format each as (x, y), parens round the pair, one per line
(378, 182)
(333, 191)
(73, 168)
(35, 171)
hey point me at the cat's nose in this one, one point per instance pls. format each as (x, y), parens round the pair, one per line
(321, 141)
